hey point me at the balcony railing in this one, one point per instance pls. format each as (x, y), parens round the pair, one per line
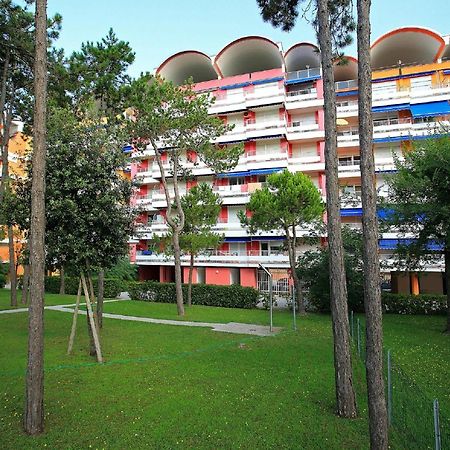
(349, 84)
(305, 73)
(300, 125)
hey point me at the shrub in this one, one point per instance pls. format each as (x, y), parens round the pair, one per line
(414, 304)
(313, 269)
(113, 286)
(233, 296)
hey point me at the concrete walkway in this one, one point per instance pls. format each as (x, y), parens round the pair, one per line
(231, 327)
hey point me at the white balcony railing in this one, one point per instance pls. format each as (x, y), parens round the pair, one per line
(305, 73)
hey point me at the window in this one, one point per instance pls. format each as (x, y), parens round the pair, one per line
(351, 189)
(237, 181)
(262, 178)
(350, 160)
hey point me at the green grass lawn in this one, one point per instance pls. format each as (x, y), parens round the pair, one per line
(180, 387)
(50, 299)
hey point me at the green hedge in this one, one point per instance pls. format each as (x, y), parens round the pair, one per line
(113, 286)
(233, 296)
(414, 304)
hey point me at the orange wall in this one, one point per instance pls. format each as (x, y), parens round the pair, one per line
(218, 275)
(186, 275)
(248, 277)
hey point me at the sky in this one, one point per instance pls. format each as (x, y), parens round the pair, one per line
(156, 29)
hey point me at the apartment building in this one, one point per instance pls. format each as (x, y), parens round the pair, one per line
(274, 99)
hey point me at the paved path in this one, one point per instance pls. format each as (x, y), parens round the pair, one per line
(231, 327)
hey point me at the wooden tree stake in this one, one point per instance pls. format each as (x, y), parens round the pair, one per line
(74, 321)
(91, 320)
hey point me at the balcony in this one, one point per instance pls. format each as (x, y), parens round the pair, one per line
(300, 130)
(249, 258)
(260, 128)
(303, 75)
(347, 109)
(348, 85)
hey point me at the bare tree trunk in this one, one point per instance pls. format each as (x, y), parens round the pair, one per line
(34, 398)
(191, 270)
(5, 156)
(101, 290)
(62, 282)
(4, 126)
(378, 425)
(74, 320)
(12, 266)
(3, 87)
(447, 284)
(176, 226)
(25, 283)
(91, 319)
(291, 242)
(345, 395)
(178, 278)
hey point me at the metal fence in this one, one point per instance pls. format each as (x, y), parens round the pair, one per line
(415, 420)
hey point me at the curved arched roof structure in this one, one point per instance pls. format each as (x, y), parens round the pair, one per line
(301, 55)
(248, 54)
(346, 69)
(183, 65)
(409, 45)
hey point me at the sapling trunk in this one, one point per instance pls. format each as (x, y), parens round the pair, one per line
(12, 266)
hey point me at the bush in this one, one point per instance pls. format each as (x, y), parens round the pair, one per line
(313, 269)
(233, 296)
(414, 304)
(113, 286)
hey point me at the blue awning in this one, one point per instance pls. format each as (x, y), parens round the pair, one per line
(430, 109)
(388, 108)
(351, 212)
(236, 86)
(249, 173)
(267, 80)
(347, 93)
(392, 244)
(302, 80)
(127, 148)
(266, 171)
(233, 174)
(254, 238)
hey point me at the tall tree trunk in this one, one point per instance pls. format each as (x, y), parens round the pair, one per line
(378, 424)
(4, 129)
(5, 156)
(191, 270)
(176, 226)
(291, 243)
(34, 402)
(12, 266)
(62, 282)
(101, 290)
(25, 283)
(178, 278)
(447, 284)
(3, 88)
(345, 395)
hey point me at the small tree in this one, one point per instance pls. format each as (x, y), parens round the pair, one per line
(289, 200)
(174, 120)
(201, 208)
(418, 203)
(313, 268)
